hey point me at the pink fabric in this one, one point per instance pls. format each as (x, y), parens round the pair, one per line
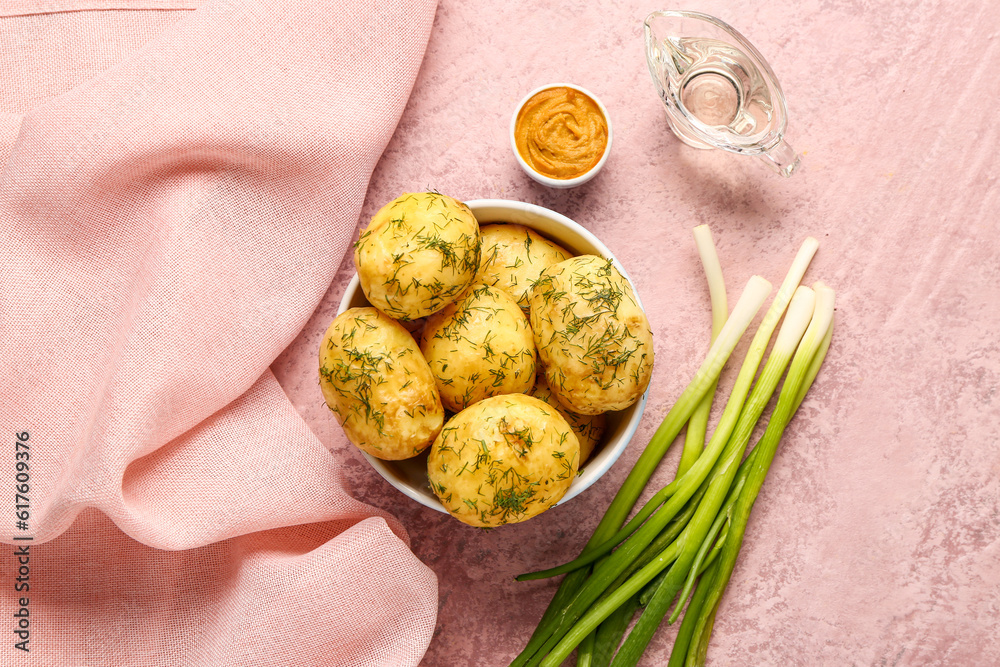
(177, 192)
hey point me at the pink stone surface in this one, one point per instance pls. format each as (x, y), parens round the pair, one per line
(875, 540)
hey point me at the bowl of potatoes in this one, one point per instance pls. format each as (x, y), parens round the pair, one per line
(490, 359)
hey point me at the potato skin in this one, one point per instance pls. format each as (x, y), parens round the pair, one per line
(418, 253)
(513, 256)
(589, 429)
(593, 338)
(378, 385)
(503, 460)
(478, 347)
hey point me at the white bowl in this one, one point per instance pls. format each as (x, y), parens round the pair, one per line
(410, 475)
(560, 183)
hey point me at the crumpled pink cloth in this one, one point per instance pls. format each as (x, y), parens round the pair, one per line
(173, 205)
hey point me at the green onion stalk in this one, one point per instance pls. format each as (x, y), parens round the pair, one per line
(697, 428)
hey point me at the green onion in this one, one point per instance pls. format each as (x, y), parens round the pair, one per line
(803, 369)
(682, 552)
(691, 529)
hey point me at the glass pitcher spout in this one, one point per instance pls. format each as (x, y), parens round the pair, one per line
(663, 50)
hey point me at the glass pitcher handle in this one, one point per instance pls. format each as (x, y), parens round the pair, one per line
(782, 158)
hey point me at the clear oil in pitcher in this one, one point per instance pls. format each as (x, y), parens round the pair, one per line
(720, 86)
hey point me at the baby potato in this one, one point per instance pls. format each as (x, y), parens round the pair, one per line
(479, 346)
(378, 385)
(418, 254)
(589, 429)
(503, 460)
(513, 256)
(593, 338)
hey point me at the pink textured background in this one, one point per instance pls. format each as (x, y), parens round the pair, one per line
(875, 541)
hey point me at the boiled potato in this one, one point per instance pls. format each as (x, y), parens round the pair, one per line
(418, 254)
(513, 256)
(589, 429)
(479, 346)
(378, 385)
(593, 338)
(503, 460)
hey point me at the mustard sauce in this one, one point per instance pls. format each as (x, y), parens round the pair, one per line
(561, 133)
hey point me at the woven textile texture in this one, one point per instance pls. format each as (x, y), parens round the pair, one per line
(179, 184)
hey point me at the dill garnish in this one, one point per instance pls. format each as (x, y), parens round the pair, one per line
(579, 319)
(418, 252)
(519, 460)
(479, 346)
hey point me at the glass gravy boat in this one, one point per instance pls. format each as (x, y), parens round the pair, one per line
(718, 90)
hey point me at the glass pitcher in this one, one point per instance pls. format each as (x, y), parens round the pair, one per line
(718, 90)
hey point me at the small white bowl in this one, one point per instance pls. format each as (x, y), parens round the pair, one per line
(410, 475)
(560, 183)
